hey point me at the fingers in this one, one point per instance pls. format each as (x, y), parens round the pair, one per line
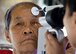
(65, 41)
(50, 38)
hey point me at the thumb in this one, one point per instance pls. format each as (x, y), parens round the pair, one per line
(65, 42)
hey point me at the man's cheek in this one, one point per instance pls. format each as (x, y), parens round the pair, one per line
(15, 38)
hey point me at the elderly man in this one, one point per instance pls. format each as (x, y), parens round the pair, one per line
(21, 27)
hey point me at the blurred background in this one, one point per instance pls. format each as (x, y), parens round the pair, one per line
(6, 4)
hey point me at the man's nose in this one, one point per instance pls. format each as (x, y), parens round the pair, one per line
(28, 31)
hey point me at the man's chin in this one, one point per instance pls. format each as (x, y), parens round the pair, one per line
(28, 48)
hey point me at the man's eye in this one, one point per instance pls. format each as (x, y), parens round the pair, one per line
(19, 24)
(36, 24)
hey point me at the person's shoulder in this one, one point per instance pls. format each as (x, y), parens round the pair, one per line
(5, 52)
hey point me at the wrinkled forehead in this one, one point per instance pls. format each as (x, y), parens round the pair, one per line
(23, 11)
(26, 6)
(19, 8)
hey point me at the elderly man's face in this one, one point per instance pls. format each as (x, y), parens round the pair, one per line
(23, 30)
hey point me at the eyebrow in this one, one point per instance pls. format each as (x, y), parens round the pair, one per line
(18, 18)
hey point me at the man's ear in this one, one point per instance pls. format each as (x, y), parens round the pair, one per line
(7, 36)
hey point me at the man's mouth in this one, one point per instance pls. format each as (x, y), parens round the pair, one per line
(29, 40)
